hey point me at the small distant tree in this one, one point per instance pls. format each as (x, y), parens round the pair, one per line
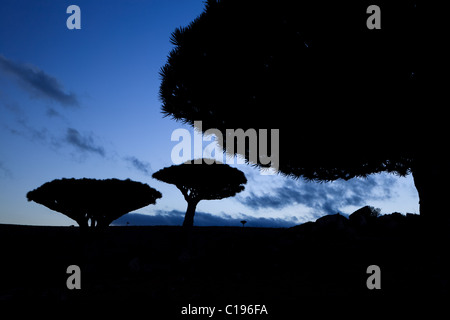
(202, 181)
(99, 202)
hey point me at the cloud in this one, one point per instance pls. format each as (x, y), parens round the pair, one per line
(38, 83)
(21, 126)
(84, 143)
(202, 219)
(139, 165)
(4, 171)
(52, 113)
(24, 129)
(323, 198)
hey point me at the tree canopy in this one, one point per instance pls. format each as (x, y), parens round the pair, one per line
(199, 180)
(348, 101)
(100, 201)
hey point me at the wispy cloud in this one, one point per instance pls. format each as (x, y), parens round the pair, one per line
(139, 165)
(202, 219)
(38, 83)
(21, 126)
(4, 171)
(52, 113)
(84, 143)
(323, 198)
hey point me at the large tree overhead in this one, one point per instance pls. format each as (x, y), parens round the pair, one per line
(98, 201)
(348, 101)
(197, 180)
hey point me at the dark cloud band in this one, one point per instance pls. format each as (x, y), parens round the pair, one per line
(139, 165)
(84, 143)
(39, 83)
(202, 219)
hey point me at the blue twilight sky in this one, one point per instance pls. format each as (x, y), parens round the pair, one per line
(84, 103)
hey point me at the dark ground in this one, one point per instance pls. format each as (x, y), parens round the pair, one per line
(226, 264)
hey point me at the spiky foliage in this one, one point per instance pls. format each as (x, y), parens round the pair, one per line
(198, 180)
(348, 101)
(97, 201)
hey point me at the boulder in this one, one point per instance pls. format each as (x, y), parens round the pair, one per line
(392, 221)
(334, 221)
(364, 216)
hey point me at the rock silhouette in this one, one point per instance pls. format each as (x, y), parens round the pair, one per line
(363, 216)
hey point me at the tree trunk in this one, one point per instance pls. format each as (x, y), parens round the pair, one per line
(430, 175)
(83, 223)
(103, 223)
(190, 212)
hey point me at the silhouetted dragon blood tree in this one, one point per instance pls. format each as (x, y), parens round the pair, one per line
(202, 181)
(348, 101)
(99, 202)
